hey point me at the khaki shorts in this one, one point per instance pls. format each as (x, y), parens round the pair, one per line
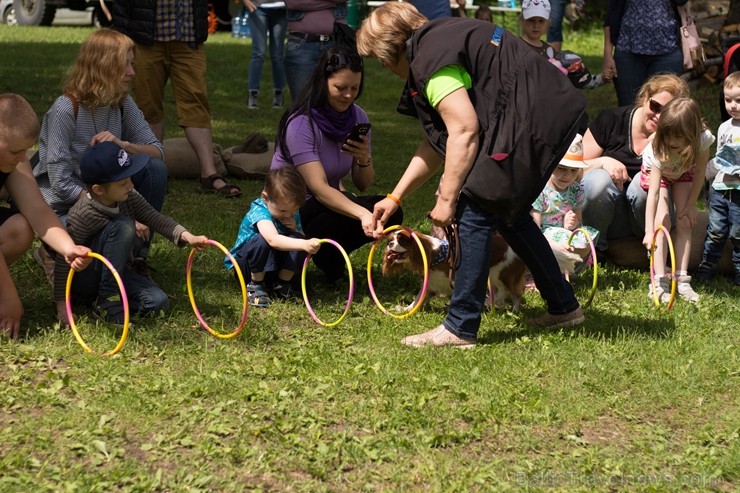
(186, 67)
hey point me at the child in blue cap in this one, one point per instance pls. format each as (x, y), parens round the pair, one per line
(104, 219)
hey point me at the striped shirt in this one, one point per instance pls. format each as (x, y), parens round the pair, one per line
(64, 139)
(175, 21)
(88, 217)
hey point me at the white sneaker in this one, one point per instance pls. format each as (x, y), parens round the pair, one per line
(685, 290)
(662, 288)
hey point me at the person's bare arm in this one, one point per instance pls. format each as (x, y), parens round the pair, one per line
(43, 220)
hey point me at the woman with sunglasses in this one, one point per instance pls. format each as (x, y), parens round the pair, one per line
(313, 136)
(612, 148)
(498, 119)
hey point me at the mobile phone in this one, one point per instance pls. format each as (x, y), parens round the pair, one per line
(357, 130)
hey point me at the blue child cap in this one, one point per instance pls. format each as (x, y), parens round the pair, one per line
(106, 162)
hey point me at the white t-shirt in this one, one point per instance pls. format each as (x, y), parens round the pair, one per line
(669, 169)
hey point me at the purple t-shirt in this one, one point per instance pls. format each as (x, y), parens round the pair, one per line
(307, 146)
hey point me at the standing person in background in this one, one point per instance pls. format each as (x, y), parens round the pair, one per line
(267, 20)
(555, 29)
(96, 107)
(568, 9)
(640, 39)
(310, 33)
(169, 37)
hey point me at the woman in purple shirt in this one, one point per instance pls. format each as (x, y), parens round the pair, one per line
(312, 136)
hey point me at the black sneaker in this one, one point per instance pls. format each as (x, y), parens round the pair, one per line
(284, 291)
(277, 99)
(705, 272)
(737, 278)
(110, 310)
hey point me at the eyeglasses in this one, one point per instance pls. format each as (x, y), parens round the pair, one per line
(340, 60)
(655, 106)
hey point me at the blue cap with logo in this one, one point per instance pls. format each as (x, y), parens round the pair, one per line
(106, 162)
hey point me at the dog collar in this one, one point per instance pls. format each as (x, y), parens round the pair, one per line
(444, 247)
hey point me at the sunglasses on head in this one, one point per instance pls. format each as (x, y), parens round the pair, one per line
(655, 106)
(340, 60)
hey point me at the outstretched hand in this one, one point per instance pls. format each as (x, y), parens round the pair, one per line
(381, 212)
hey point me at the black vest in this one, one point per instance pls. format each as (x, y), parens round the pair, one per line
(137, 19)
(528, 112)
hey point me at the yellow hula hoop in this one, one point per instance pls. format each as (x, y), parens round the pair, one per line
(425, 285)
(351, 286)
(243, 285)
(667, 235)
(124, 301)
(591, 293)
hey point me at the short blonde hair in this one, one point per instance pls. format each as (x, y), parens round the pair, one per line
(17, 118)
(669, 83)
(384, 32)
(96, 78)
(732, 80)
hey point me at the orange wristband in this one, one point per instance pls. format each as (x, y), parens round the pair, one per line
(394, 198)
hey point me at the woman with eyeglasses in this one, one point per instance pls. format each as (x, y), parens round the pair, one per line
(612, 148)
(498, 119)
(313, 136)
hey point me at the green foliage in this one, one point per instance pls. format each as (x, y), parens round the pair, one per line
(635, 400)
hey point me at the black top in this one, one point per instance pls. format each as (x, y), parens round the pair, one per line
(3, 177)
(612, 130)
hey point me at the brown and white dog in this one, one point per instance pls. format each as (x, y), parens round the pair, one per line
(506, 275)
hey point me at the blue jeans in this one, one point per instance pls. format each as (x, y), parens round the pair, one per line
(724, 222)
(256, 255)
(614, 213)
(475, 227)
(115, 242)
(264, 22)
(301, 57)
(555, 31)
(635, 69)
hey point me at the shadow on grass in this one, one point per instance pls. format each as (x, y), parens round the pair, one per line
(598, 325)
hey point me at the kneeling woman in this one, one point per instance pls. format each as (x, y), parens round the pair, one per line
(312, 136)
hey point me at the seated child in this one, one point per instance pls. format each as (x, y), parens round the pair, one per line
(104, 220)
(271, 239)
(19, 129)
(557, 211)
(724, 197)
(535, 20)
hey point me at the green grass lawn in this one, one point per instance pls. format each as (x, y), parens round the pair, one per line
(637, 399)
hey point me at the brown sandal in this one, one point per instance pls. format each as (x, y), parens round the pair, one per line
(228, 190)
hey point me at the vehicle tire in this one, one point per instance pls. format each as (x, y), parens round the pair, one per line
(9, 16)
(34, 12)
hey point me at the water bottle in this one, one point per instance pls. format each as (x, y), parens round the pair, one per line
(240, 26)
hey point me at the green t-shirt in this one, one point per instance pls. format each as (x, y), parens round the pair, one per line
(445, 81)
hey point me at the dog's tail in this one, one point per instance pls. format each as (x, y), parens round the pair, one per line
(567, 261)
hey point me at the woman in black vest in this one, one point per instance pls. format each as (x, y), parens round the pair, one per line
(499, 118)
